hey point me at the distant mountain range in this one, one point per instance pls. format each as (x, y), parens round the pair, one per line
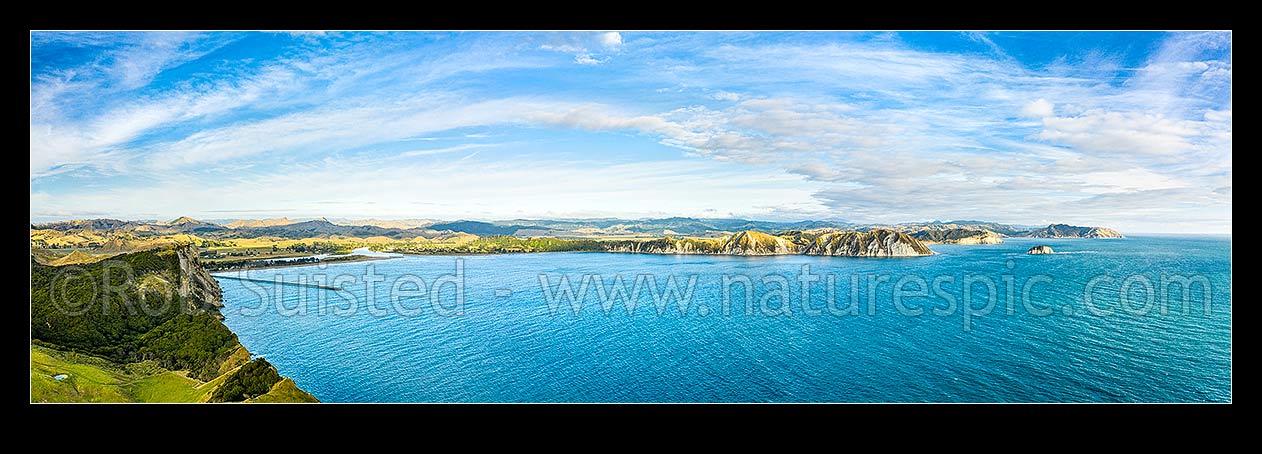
(258, 223)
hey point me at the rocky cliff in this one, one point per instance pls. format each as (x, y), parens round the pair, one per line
(1072, 231)
(874, 243)
(198, 289)
(957, 236)
(666, 245)
(750, 242)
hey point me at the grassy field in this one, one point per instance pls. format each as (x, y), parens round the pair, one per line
(167, 387)
(86, 381)
(284, 391)
(92, 379)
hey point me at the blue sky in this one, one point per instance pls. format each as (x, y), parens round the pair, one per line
(1127, 130)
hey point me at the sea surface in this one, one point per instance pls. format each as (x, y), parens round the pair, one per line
(1057, 328)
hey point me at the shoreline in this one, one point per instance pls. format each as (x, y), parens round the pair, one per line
(707, 254)
(297, 284)
(348, 259)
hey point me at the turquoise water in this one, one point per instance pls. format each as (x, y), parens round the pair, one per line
(509, 342)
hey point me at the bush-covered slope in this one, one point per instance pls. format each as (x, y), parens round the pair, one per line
(159, 307)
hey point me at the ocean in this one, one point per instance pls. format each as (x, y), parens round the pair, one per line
(1101, 320)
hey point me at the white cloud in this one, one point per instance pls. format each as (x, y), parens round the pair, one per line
(445, 150)
(137, 66)
(1120, 132)
(589, 49)
(815, 170)
(1129, 180)
(756, 131)
(610, 40)
(337, 127)
(567, 48)
(102, 141)
(456, 189)
(725, 96)
(1038, 108)
(58, 145)
(1218, 115)
(588, 59)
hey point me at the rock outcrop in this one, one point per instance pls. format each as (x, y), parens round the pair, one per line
(1040, 250)
(198, 289)
(957, 236)
(1072, 231)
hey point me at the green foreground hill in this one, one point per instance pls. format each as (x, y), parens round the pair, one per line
(141, 327)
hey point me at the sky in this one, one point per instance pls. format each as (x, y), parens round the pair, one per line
(1130, 130)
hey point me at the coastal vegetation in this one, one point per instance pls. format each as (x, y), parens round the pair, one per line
(140, 326)
(491, 245)
(252, 380)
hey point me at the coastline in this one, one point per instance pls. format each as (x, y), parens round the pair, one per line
(347, 259)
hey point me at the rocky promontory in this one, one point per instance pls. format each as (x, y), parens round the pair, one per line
(1073, 231)
(874, 243)
(957, 236)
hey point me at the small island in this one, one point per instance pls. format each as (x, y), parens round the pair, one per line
(1040, 250)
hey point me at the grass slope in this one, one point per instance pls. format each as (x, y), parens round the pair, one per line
(93, 379)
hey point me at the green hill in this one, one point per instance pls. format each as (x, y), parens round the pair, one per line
(118, 328)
